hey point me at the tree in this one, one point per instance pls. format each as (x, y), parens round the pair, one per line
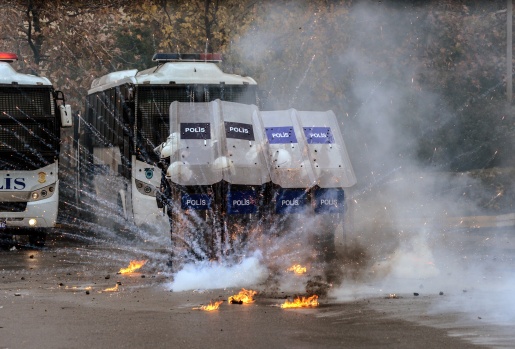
(193, 26)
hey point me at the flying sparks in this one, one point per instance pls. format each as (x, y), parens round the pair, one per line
(297, 269)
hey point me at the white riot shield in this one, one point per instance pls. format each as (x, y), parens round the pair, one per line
(326, 149)
(286, 152)
(243, 145)
(195, 144)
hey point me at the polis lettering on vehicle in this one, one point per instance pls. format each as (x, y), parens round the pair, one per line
(19, 183)
(10, 183)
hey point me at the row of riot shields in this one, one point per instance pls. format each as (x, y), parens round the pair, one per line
(233, 173)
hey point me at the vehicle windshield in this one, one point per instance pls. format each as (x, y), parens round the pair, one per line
(29, 137)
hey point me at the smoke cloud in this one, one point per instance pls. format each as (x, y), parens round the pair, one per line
(207, 275)
(412, 225)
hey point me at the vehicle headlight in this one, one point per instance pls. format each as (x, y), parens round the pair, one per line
(42, 193)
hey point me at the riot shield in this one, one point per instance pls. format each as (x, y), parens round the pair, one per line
(241, 195)
(326, 149)
(195, 157)
(288, 165)
(242, 145)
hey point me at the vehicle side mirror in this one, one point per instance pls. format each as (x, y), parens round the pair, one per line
(66, 115)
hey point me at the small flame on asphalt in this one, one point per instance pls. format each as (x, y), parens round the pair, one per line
(297, 269)
(301, 302)
(244, 296)
(112, 289)
(75, 288)
(210, 307)
(133, 266)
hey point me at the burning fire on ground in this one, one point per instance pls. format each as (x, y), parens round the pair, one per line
(245, 296)
(133, 266)
(297, 269)
(112, 289)
(301, 302)
(210, 307)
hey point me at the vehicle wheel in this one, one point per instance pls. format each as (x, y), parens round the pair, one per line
(6, 241)
(37, 239)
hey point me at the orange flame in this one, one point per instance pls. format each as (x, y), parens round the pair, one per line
(133, 266)
(301, 302)
(112, 289)
(297, 269)
(210, 307)
(245, 296)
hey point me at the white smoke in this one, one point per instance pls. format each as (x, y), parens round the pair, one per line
(404, 235)
(212, 275)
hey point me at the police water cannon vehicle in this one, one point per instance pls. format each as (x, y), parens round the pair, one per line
(127, 116)
(233, 171)
(32, 113)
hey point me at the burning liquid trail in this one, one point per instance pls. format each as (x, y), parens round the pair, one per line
(297, 269)
(245, 296)
(210, 307)
(301, 302)
(112, 289)
(133, 266)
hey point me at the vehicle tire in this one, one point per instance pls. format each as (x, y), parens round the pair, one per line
(6, 241)
(37, 239)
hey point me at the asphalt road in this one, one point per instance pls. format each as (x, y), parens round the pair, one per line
(58, 297)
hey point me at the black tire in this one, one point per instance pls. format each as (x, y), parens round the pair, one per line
(37, 239)
(6, 241)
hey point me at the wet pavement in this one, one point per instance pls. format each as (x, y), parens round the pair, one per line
(71, 294)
